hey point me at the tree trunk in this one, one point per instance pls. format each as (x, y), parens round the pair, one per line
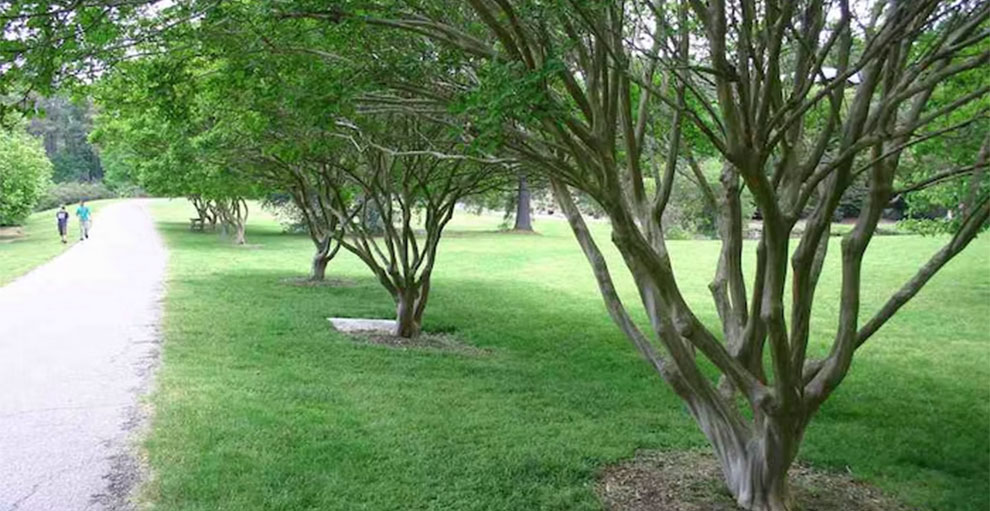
(320, 262)
(325, 251)
(235, 215)
(524, 219)
(201, 208)
(239, 239)
(408, 315)
(758, 484)
(754, 465)
(213, 216)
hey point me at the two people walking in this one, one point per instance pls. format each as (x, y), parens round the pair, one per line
(83, 213)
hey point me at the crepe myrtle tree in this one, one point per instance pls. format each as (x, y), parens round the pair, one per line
(233, 214)
(205, 210)
(286, 155)
(290, 156)
(306, 181)
(411, 174)
(799, 98)
(159, 111)
(323, 226)
(168, 161)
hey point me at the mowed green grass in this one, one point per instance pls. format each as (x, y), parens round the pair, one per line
(259, 405)
(40, 241)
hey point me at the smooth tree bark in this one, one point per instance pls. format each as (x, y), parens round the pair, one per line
(312, 198)
(798, 98)
(302, 172)
(233, 214)
(524, 218)
(206, 209)
(202, 207)
(325, 252)
(307, 183)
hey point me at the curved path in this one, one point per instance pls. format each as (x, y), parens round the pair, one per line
(78, 343)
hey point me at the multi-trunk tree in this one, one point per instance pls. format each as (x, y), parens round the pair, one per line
(157, 118)
(799, 98)
(307, 179)
(323, 226)
(410, 173)
(365, 175)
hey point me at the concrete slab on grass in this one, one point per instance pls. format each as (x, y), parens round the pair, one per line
(348, 325)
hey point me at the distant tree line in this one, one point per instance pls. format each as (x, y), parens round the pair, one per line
(64, 128)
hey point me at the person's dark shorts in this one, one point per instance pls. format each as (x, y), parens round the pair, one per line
(62, 228)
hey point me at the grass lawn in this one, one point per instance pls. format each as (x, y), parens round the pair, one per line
(259, 405)
(40, 241)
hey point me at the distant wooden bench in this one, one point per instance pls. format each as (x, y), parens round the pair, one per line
(196, 224)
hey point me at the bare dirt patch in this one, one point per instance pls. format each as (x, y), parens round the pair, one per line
(11, 233)
(692, 481)
(471, 234)
(520, 231)
(307, 282)
(435, 341)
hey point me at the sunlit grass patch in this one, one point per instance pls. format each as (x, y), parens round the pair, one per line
(260, 405)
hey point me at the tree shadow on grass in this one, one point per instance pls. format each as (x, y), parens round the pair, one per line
(889, 422)
(254, 234)
(568, 359)
(488, 233)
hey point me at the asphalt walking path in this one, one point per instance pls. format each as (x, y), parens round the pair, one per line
(78, 344)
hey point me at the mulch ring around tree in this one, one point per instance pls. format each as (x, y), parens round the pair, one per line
(692, 481)
(327, 282)
(433, 341)
(379, 331)
(11, 233)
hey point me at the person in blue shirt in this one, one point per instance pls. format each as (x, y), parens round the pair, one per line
(62, 217)
(84, 220)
